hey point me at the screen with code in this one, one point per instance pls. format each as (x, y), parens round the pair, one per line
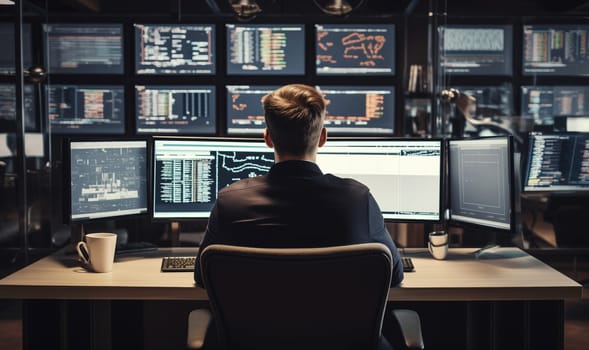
(544, 103)
(84, 48)
(556, 50)
(476, 49)
(557, 162)
(85, 109)
(358, 110)
(183, 110)
(174, 49)
(189, 174)
(363, 49)
(269, 49)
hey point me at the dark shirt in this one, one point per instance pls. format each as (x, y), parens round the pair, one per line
(295, 205)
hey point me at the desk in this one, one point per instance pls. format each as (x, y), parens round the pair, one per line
(502, 282)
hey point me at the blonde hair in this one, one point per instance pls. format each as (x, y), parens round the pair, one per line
(294, 117)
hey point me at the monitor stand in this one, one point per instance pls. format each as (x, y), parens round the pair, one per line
(487, 239)
(185, 233)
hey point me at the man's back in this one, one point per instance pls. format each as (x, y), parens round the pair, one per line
(295, 205)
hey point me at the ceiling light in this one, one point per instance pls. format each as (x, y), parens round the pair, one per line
(6, 2)
(245, 8)
(336, 7)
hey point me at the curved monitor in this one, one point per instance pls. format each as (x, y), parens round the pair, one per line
(480, 178)
(106, 179)
(403, 175)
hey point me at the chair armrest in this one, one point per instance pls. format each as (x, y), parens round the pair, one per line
(410, 325)
(198, 322)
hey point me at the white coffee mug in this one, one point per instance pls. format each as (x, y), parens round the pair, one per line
(98, 251)
(438, 244)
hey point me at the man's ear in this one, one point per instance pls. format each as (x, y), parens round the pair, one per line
(322, 137)
(267, 138)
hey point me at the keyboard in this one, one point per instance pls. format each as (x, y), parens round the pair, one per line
(407, 264)
(178, 263)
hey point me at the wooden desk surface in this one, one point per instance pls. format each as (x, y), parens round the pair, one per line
(502, 274)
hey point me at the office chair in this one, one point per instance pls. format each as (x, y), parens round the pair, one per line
(303, 298)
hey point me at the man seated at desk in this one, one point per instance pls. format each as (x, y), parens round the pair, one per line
(295, 204)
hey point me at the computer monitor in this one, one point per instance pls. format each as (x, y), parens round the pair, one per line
(491, 101)
(106, 179)
(557, 163)
(556, 49)
(359, 49)
(86, 109)
(8, 108)
(403, 175)
(265, 49)
(245, 113)
(84, 48)
(359, 110)
(185, 49)
(189, 173)
(7, 62)
(481, 183)
(175, 109)
(476, 49)
(544, 103)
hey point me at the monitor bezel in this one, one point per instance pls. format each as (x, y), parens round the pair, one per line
(468, 225)
(67, 204)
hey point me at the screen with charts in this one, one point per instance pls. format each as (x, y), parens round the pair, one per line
(8, 108)
(544, 103)
(491, 101)
(175, 48)
(245, 113)
(556, 50)
(84, 48)
(182, 110)
(557, 162)
(7, 61)
(107, 179)
(363, 49)
(359, 110)
(480, 178)
(188, 174)
(403, 175)
(476, 49)
(85, 109)
(265, 49)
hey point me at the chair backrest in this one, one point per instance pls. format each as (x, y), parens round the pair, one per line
(301, 298)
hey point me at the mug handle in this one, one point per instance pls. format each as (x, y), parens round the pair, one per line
(82, 249)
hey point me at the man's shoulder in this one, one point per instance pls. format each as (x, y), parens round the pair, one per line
(245, 184)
